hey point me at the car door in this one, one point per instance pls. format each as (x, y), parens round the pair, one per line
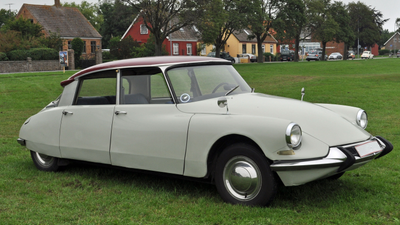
(86, 125)
(148, 131)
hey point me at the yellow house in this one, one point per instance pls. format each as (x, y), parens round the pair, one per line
(238, 43)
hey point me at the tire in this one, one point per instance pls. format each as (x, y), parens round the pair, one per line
(243, 176)
(44, 162)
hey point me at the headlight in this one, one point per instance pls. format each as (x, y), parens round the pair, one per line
(362, 119)
(293, 136)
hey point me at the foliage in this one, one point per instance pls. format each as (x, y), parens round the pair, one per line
(3, 56)
(384, 52)
(290, 22)
(269, 55)
(6, 15)
(24, 26)
(77, 46)
(165, 17)
(17, 55)
(218, 19)
(43, 53)
(385, 35)
(116, 19)
(10, 40)
(90, 11)
(122, 49)
(260, 18)
(366, 23)
(52, 41)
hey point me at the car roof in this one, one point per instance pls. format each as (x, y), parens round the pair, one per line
(145, 61)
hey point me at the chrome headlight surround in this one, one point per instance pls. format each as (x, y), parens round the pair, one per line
(362, 119)
(293, 136)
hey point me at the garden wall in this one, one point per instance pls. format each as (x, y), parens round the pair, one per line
(29, 66)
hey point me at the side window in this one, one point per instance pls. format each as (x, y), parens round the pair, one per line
(144, 89)
(98, 89)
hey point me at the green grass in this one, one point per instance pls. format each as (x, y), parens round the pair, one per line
(95, 195)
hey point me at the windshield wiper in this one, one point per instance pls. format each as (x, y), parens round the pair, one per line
(232, 90)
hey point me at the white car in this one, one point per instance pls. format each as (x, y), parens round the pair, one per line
(251, 57)
(367, 55)
(197, 117)
(335, 55)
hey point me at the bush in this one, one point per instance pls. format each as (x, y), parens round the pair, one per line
(267, 55)
(3, 56)
(77, 46)
(384, 52)
(43, 54)
(17, 55)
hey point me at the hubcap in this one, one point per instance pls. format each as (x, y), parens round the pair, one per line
(242, 178)
(44, 160)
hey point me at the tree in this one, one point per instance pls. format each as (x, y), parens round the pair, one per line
(117, 17)
(344, 34)
(163, 17)
(90, 11)
(398, 24)
(261, 16)
(6, 15)
(291, 21)
(77, 46)
(24, 26)
(217, 20)
(321, 22)
(366, 24)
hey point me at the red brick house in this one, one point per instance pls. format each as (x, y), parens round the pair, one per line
(68, 22)
(181, 42)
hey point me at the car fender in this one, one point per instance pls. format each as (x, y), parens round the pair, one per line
(268, 133)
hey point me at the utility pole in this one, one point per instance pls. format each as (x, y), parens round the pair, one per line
(9, 6)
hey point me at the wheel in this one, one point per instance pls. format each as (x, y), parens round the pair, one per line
(219, 85)
(336, 176)
(44, 162)
(233, 61)
(243, 176)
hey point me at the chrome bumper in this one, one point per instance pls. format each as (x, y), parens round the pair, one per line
(339, 159)
(21, 141)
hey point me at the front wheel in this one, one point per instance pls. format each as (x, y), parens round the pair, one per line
(44, 162)
(243, 176)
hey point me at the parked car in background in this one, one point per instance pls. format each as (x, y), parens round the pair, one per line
(287, 55)
(367, 55)
(398, 54)
(351, 55)
(335, 56)
(251, 57)
(196, 117)
(223, 55)
(315, 55)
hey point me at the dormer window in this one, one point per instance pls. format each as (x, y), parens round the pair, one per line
(143, 29)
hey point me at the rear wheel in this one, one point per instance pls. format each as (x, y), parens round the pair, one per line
(44, 162)
(243, 176)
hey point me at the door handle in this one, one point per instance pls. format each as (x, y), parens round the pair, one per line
(120, 112)
(67, 113)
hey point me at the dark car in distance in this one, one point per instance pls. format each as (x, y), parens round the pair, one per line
(287, 55)
(223, 55)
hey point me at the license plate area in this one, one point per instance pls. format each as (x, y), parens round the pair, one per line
(368, 148)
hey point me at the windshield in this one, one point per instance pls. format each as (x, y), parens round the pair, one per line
(197, 83)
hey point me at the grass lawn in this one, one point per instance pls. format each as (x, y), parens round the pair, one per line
(96, 195)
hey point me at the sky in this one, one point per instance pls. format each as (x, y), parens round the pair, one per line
(389, 8)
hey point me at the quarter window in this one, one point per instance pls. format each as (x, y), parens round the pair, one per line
(97, 89)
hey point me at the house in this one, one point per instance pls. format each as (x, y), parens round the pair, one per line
(68, 22)
(393, 43)
(181, 42)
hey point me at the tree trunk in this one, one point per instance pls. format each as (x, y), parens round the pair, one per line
(296, 48)
(260, 57)
(323, 50)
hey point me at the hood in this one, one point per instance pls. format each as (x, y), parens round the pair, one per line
(317, 121)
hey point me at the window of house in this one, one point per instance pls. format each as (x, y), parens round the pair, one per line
(203, 49)
(69, 45)
(244, 49)
(176, 49)
(271, 49)
(263, 48)
(93, 46)
(84, 47)
(253, 49)
(143, 29)
(189, 49)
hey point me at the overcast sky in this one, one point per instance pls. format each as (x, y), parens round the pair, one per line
(389, 8)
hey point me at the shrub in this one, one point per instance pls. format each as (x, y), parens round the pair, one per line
(267, 55)
(3, 56)
(77, 46)
(43, 54)
(384, 52)
(17, 55)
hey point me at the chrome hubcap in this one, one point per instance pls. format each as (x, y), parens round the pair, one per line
(44, 160)
(242, 178)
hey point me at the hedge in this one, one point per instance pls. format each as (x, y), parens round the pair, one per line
(3, 56)
(34, 53)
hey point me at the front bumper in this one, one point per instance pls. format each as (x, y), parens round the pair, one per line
(339, 159)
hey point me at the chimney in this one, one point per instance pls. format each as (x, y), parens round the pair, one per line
(57, 3)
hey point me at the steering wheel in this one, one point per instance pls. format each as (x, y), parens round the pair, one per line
(218, 86)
